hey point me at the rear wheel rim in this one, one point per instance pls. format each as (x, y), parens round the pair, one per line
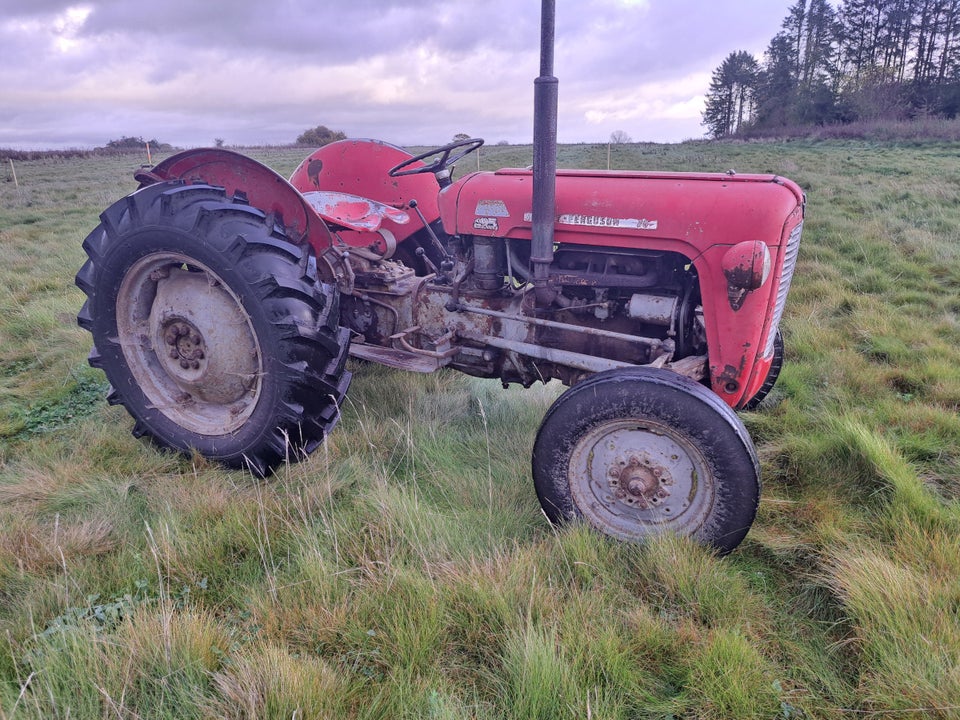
(189, 343)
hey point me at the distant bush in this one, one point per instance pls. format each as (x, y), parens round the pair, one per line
(126, 144)
(319, 136)
(25, 155)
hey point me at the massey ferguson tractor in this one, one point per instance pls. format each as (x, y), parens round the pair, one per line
(224, 301)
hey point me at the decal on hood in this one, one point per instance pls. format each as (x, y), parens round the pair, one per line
(492, 208)
(486, 223)
(601, 221)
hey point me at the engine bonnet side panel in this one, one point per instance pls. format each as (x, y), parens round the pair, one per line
(626, 209)
(698, 215)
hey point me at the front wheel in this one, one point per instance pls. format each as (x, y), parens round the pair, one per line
(639, 452)
(212, 328)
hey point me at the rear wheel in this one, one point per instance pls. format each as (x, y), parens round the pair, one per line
(639, 452)
(212, 328)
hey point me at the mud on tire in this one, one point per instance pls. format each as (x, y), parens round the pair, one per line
(212, 327)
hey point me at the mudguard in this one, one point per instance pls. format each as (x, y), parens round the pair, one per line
(264, 189)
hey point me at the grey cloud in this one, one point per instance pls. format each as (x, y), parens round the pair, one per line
(318, 32)
(663, 40)
(250, 71)
(33, 8)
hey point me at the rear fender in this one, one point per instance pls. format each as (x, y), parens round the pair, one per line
(263, 188)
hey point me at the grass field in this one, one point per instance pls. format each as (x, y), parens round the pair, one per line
(405, 569)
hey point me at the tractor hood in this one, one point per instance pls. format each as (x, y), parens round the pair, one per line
(699, 210)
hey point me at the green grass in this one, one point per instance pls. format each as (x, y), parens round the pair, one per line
(405, 570)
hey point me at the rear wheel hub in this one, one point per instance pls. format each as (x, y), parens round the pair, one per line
(186, 344)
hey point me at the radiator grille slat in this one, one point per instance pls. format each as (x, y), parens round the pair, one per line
(789, 264)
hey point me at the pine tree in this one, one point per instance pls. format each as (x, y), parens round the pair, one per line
(776, 93)
(861, 23)
(837, 61)
(730, 98)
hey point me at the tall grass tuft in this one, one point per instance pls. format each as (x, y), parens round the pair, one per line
(907, 632)
(268, 683)
(731, 679)
(539, 680)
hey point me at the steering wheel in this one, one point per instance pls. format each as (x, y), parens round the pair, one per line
(447, 157)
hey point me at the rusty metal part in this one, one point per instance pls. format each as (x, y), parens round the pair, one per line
(438, 247)
(186, 343)
(654, 309)
(335, 267)
(653, 343)
(566, 358)
(413, 316)
(639, 481)
(693, 367)
(442, 354)
(489, 258)
(392, 357)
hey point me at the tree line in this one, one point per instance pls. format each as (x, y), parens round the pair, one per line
(860, 60)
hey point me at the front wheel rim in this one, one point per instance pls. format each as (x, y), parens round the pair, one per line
(189, 344)
(632, 478)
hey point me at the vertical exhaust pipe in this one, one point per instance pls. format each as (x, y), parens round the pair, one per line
(544, 157)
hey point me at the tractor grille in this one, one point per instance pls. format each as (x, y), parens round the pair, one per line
(789, 263)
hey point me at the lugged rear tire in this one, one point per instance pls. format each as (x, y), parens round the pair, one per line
(212, 327)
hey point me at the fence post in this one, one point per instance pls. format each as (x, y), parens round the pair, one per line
(16, 183)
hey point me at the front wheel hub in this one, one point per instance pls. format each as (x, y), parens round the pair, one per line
(638, 481)
(631, 477)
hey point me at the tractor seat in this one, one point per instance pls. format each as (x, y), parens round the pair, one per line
(353, 212)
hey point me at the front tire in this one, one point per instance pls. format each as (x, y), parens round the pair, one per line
(212, 327)
(639, 452)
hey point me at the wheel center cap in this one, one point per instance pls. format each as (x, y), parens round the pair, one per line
(638, 481)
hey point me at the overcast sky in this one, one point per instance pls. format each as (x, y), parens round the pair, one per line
(78, 74)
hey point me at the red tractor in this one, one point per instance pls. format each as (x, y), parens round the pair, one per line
(224, 300)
